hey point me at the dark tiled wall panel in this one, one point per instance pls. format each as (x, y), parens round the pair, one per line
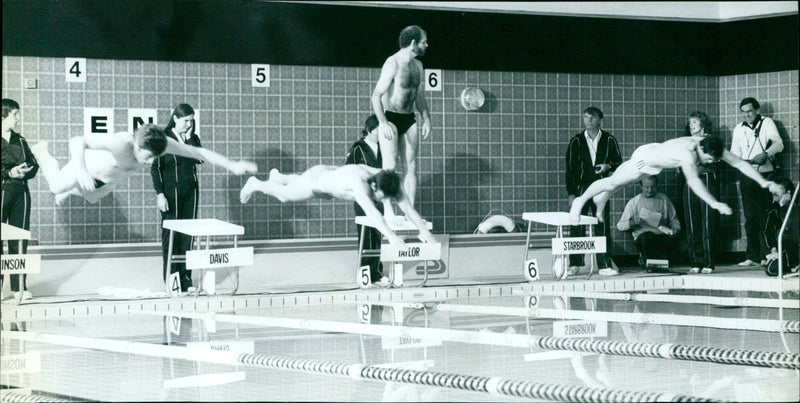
(508, 156)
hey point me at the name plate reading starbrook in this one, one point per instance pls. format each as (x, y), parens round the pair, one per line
(412, 252)
(19, 264)
(572, 246)
(219, 258)
(579, 328)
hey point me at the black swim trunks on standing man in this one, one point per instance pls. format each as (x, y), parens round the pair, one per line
(402, 121)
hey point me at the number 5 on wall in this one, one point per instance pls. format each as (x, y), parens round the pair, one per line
(260, 75)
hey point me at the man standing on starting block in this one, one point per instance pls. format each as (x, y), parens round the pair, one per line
(399, 90)
(649, 159)
(360, 183)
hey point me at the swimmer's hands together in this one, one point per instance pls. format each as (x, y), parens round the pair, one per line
(722, 208)
(243, 167)
(385, 130)
(772, 186)
(85, 181)
(161, 202)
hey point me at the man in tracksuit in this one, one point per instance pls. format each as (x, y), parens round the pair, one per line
(591, 154)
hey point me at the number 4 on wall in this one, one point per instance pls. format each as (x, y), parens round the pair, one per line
(75, 70)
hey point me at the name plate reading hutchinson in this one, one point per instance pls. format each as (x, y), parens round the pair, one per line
(412, 252)
(18, 264)
(579, 328)
(21, 363)
(572, 246)
(219, 258)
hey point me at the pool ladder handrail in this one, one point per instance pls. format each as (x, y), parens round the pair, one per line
(780, 235)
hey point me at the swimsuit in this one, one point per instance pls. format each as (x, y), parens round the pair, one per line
(403, 121)
(638, 158)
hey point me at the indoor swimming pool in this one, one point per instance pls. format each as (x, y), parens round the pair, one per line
(656, 337)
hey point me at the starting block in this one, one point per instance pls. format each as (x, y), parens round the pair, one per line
(561, 246)
(204, 259)
(413, 252)
(19, 263)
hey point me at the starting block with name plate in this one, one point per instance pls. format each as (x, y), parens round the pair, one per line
(18, 263)
(561, 246)
(205, 259)
(391, 256)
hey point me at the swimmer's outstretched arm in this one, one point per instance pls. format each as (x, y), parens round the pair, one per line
(694, 182)
(202, 154)
(414, 216)
(745, 168)
(367, 205)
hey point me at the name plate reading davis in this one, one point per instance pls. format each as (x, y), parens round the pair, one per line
(572, 246)
(412, 252)
(18, 264)
(579, 328)
(219, 258)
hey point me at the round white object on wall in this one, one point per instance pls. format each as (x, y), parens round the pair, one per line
(472, 98)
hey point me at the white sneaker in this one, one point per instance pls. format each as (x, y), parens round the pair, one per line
(748, 263)
(694, 270)
(608, 272)
(25, 295)
(383, 282)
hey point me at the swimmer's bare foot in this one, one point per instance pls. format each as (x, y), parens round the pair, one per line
(247, 190)
(276, 176)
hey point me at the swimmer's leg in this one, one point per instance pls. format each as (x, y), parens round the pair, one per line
(407, 150)
(389, 151)
(58, 180)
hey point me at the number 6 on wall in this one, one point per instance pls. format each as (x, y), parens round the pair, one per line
(433, 80)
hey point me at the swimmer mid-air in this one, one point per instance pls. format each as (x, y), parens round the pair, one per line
(650, 159)
(100, 161)
(354, 182)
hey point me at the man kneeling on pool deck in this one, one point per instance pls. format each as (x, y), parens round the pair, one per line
(356, 182)
(99, 161)
(683, 152)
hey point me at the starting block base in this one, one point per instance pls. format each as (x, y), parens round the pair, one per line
(561, 246)
(393, 257)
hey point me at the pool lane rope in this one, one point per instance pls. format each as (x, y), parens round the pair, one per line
(762, 325)
(680, 299)
(9, 395)
(485, 384)
(633, 349)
